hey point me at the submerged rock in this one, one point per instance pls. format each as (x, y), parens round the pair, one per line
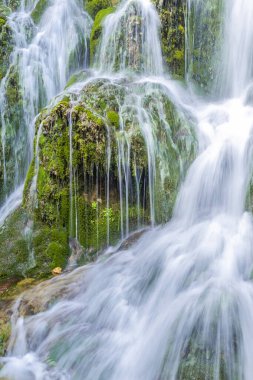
(133, 238)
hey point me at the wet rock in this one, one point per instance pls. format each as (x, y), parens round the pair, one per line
(133, 238)
(40, 297)
(76, 252)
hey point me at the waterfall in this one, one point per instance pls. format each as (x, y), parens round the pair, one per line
(219, 39)
(45, 54)
(130, 47)
(178, 304)
(131, 40)
(237, 63)
(130, 62)
(204, 43)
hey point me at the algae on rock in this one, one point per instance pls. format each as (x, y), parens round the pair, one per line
(94, 176)
(172, 15)
(96, 31)
(100, 174)
(39, 9)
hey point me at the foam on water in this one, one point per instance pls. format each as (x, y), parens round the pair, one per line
(179, 303)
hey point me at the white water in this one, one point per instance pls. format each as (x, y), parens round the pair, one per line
(11, 204)
(142, 116)
(44, 56)
(237, 70)
(130, 40)
(178, 304)
(130, 62)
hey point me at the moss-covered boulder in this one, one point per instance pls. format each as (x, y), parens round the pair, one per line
(95, 178)
(102, 166)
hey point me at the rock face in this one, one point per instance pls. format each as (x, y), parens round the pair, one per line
(173, 20)
(97, 30)
(96, 174)
(93, 173)
(5, 40)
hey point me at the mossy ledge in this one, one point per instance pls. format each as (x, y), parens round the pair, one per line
(59, 216)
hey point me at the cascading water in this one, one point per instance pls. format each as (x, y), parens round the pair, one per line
(204, 43)
(130, 40)
(237, 63)
(178, 304)
(128, 61)
(44, 56)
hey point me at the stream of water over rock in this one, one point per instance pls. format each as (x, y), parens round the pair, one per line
(45, 54)
(178, 304)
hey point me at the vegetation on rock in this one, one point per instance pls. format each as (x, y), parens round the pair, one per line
(5, 41)
(82, 208)
(97, 30)
(39, 9)
(204, 43)
(172, 15)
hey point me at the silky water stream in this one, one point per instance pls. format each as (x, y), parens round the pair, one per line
(177, 304)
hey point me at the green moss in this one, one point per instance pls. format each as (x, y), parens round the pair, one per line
(57, 254)
(38, 11)
(78, 77)
(28, 182)
(97, 30)
(94, 6)
(51, 249)
(5, 333)
(94, 118)
(14, 247)
(2, 22)
(87, 215)
(6, 41)
(89, 143)
(172, 17)
(113, 118)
